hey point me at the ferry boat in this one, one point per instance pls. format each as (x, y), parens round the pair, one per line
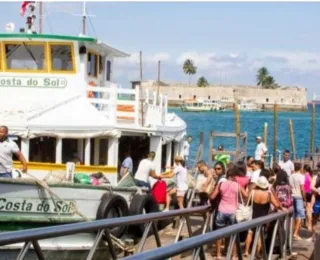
(248, 105)
(199, 105)
(59, 101)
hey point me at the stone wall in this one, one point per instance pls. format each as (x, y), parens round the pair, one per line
(286, 97)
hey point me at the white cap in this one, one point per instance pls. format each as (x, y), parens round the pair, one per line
(258, 137)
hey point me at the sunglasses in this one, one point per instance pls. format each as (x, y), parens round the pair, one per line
(218, 168)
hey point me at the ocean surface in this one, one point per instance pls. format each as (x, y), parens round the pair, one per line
(253, 124)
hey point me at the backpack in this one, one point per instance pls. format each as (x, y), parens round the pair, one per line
(159, 192)
(283, 193)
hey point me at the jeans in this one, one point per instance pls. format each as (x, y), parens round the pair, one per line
(6, 175)
(224, 219)
(140, 183)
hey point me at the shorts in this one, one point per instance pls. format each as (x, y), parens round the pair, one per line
(298, 208)
(316, 207)
(308, 197)
(181, 193)
(224, 219)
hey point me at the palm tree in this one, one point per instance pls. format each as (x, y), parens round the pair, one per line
(265, 80)
(202, 82)
(189, 68)
(261, 76)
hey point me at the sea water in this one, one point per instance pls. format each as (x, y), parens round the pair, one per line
(253, 124)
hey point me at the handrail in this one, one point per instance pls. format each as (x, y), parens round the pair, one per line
(200, 240)
(69, 229)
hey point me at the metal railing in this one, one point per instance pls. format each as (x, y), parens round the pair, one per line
(283, 227)
(32, 236)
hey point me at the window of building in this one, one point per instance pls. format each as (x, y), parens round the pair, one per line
(62, 58)
(209, 97)
(292, 100)
(281, 99)
(43, 149)
(267, 99)
(179, 96)
(194, 97)
(108, 71)
(92, 65)
(25, 56)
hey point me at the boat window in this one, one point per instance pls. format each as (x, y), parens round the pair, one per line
(61, 57)
(25, 56)
(0, 57)
(92, 65)
(43, 149)
(108, 72)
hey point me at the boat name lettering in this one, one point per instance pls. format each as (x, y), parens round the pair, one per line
(36, 206)
(43, 82)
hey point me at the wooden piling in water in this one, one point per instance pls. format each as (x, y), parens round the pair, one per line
(293, 144)
(275, 132)
(265, 134)
(313, 122)
(237, 127)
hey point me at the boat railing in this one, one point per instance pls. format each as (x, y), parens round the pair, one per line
(282, 223)
(129, 105)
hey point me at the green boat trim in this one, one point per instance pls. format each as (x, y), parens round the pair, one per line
(72, 185)
(47, 37)
(41, 218)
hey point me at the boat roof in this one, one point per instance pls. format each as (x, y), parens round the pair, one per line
(88, 41)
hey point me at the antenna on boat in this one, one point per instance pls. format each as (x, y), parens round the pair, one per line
(84, 18)
(31, 6)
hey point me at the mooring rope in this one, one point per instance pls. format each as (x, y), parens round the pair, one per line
(44, 185)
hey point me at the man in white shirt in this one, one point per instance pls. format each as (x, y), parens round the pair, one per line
(297, 180)
(8, 148)
(261, 149)
(286, 164)
(145, 170)
(186, 148)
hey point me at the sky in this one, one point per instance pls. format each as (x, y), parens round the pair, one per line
(228, 41)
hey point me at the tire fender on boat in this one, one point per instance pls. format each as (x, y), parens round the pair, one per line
(142, 204)
(113, 206)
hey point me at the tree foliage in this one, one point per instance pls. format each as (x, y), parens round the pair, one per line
(202, 82)
(189, 69)
(265, 80)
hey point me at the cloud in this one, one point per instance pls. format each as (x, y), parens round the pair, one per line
(147, 59)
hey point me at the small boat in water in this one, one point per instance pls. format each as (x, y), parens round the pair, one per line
(200, 105)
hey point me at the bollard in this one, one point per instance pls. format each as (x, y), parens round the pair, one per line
(129, 250)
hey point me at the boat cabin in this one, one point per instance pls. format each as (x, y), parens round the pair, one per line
(60, 101)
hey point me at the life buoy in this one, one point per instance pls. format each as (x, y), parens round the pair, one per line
(91, 94)
(113, 206)
(142, 204)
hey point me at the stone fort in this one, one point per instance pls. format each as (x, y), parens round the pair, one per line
(287, 98)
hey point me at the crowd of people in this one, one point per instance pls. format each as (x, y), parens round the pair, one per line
(285, 185)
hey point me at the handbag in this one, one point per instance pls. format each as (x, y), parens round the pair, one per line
(244, 211)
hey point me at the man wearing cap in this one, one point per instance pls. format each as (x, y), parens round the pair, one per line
(261, 149)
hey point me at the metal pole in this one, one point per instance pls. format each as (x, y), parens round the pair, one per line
(140, 68)
(40, 17)
(84, 16)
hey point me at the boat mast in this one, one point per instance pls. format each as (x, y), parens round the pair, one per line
(40, 17)
(84, 16)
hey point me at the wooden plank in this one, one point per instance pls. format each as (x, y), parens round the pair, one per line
(221, 134)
